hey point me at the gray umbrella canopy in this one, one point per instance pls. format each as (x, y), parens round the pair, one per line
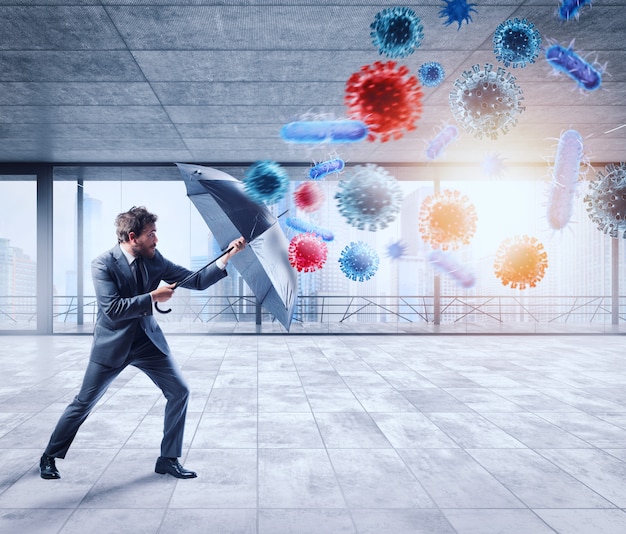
(230, 213)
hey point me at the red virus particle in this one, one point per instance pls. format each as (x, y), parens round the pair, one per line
(447, 220)
(307, 252)
(309, 196)
(520, 261)
(385, 98)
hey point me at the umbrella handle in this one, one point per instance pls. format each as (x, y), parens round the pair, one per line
(156, 305)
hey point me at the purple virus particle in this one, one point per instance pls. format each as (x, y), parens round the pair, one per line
(441, 141)
(397, 32)
(266, 181)
(323, 169)
(516, 42)
(396, 250)
(588, 76)
(314, 132)
(358, 261)
(302, 226)
(606, 200)
(486, 103)
(431, 74)
(493, 166)
(447, 263)
(457, 11)
(569, 155)
(370, 198)
(571, 8)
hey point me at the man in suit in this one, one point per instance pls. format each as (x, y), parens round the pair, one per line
(126, 280)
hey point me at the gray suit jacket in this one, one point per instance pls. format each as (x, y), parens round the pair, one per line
(121, 311)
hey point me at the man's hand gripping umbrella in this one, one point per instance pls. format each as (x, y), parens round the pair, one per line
(165, 292)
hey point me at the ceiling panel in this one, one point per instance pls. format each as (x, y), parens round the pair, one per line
(213, 81)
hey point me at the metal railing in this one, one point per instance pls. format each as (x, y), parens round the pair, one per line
(194, 308)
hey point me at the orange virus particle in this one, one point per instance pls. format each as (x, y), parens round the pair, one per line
(385, 98)
(307, 252)
(447, 220)
(520, 261)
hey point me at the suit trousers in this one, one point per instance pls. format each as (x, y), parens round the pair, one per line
(159, 367)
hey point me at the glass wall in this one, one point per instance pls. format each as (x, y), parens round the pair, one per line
(574, 284)
(18, 253)
(410, 291)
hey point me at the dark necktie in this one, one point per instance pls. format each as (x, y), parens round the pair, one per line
(138, 263)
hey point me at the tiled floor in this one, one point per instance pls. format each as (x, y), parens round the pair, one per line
(328, 434)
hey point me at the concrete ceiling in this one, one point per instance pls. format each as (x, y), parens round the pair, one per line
(213, 82)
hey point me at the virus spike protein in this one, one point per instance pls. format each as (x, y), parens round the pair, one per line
(307, 252)
(458, 11)
(397, 32)
(520, 261)
(358, 261)
(516, 42)
(447, 220)
(606, 200)
(370, 198)
(385, 98)
(266, 181)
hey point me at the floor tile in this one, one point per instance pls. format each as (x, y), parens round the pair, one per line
(297, 478)
(585, 521)
(497, 522)
(377, 478)
(310, 434)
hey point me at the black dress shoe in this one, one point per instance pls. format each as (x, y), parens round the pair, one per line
(172, 466)
(47, 468)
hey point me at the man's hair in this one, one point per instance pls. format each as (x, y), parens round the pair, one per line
(134, 220)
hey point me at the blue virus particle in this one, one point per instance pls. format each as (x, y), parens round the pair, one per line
(323, 131)
(606, 200)
(396, 250)
(457, 11)
(431, 74)
(571, 8)
(323, 169)
(397, 32)
(516, 42)
(370, 198)
(587, 75)
(266, 181)
(486, 103)
(358, 261)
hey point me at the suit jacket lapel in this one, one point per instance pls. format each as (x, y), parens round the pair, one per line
(122, 264)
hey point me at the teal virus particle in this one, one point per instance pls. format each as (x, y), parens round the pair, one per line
(370, 198)
(516, 42)
(606, 200)
(358, 261)
(266, 181)
(397, 32)
(486, 102)
(431, 74)
(457, 11)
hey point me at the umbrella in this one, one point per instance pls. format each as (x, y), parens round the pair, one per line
(230, 213)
